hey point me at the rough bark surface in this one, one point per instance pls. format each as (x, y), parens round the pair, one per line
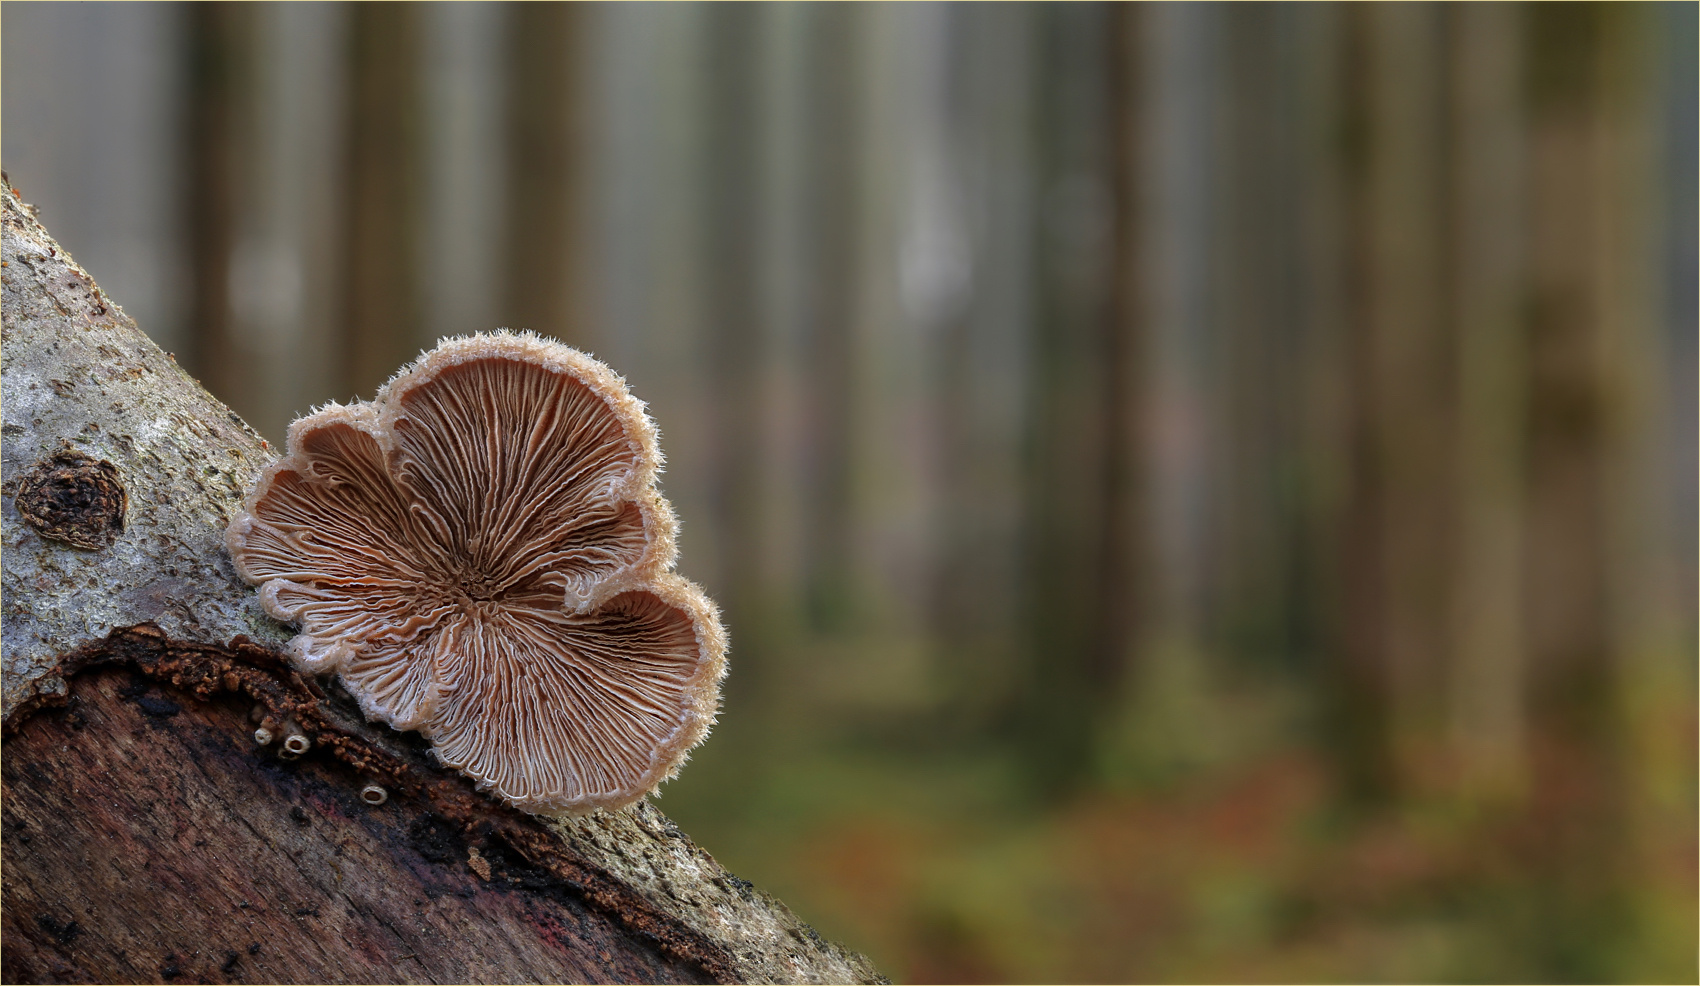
(80, 378)
(147, 837)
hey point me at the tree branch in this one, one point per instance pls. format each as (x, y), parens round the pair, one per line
(148, 837)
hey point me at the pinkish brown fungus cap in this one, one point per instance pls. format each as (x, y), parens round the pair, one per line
(481, 554)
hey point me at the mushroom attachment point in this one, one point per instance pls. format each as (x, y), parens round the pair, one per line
(480, 553)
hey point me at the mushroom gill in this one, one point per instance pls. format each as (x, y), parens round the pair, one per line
(481, 554)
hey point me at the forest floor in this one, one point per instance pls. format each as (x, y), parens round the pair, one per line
(1253, 868)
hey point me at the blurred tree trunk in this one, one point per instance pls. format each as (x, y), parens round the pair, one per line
(148, 838)
(1124, 552)
(1392, 566)
(221, 51)
(384, 194)
(733, 322)
(1280, 333)
(1643, 339)
(542, 133)
(1487, 670)
(982, 365)
(1408, 363)
(1076, 456)
(1580, 416)
(833, 202)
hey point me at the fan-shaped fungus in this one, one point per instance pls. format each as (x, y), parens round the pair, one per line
(481, 554)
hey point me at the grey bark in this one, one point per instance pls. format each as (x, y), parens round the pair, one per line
(83, 383)
(75, 371)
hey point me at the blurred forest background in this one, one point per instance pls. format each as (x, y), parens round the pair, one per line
(1198, 492)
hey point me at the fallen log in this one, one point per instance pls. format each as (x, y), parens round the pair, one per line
(148, 837)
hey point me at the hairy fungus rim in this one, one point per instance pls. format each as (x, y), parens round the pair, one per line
(377, 419)
(649, 573)
(642, 437)
(697, 711)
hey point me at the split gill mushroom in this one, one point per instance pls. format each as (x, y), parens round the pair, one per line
(480, 554)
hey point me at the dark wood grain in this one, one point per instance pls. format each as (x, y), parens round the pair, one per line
(148, 839)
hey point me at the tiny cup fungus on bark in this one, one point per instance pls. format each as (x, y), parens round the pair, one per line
(480, 553)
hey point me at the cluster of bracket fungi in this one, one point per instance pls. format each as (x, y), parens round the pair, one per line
(480, 554)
